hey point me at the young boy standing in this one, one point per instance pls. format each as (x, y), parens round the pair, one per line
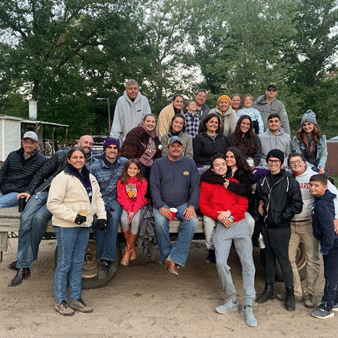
(324, 231)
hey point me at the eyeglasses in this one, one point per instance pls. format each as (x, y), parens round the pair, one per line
(274, 161)
(296, 162)
(272, 90)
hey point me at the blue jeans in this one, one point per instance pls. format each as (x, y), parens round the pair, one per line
(33, 223)
(106, 239)
(179, 251)
(8, 200)
(72, 244)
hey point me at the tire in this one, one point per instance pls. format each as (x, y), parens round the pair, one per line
(300, 260)
(91, 264)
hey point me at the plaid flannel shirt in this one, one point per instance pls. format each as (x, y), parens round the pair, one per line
(192, 123)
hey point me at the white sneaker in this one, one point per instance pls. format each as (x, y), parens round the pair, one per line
(228, 306)
(249, 316)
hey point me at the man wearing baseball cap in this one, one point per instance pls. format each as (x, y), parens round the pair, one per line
(174, 183)
(267, 104)
(19, 169)
(107, 170)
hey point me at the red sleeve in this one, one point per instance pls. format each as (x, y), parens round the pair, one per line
(204, 202)
(123, 198)
(140, 201)
(239, 208)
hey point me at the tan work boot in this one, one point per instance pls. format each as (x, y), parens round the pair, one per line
(64, 309)
(79, 305)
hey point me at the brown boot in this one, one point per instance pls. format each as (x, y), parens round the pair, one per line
(126, 254)
(132, 240)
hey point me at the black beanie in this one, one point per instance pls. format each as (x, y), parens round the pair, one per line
(275, 153)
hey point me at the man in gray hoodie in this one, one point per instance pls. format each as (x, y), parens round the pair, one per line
(130, 109)
(274, 138)
(267, 104)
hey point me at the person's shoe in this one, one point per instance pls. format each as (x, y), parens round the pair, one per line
(228, 306)
(267, 293)
(282, 297)
(64, 309)
(321, 313)
(310, 301)
(102, 272)
(172, 267)
(211, 257)
(126, 257)
(79, 305)
(249, 316)
(22, 273)
(290, 300)
(12, 266)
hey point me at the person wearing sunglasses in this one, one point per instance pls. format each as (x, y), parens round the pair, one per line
(267, 104)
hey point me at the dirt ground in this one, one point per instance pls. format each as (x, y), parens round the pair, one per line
(144, 300)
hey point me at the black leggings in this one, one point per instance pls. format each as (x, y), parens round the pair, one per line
(277, 246)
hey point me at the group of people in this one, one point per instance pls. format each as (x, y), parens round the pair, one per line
(191, 158)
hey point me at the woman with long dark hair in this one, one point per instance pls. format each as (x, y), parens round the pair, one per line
(247, 141)
(310, 142)
(209, 141)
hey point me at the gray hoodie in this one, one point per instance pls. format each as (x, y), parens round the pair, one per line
(281, 141)
(128, 114)
(276, 107)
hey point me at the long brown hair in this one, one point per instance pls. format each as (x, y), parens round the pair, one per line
(248, 143)
(124, 177)
(316, 135)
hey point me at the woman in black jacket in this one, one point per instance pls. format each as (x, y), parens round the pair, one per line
(209, 141)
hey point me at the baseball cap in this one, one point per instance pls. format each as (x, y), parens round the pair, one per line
(31, 135)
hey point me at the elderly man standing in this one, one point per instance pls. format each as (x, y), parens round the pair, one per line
(107, 171)
(130, 109)
(174, 182)
(267, 104)
(302, 231)
(34, 218)
(274, 138)
(19, 169)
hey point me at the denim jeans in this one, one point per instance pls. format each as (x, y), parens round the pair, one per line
(179, 251)
(106, 239)
(72, 244)
(8, 200)
(33, 223)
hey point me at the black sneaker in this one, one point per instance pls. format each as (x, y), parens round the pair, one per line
(102, 272)
(321, 313)
(211, 257)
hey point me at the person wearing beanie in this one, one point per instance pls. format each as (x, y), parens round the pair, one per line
(227, 115)
(107, 170)
(277, 200)
(310, 142)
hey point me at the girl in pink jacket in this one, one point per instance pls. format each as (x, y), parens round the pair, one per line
(131, 190)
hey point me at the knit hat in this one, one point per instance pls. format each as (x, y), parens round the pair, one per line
(309, 116)
(109, 141)
(224, 98)
(175, 139)
(275, 153)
